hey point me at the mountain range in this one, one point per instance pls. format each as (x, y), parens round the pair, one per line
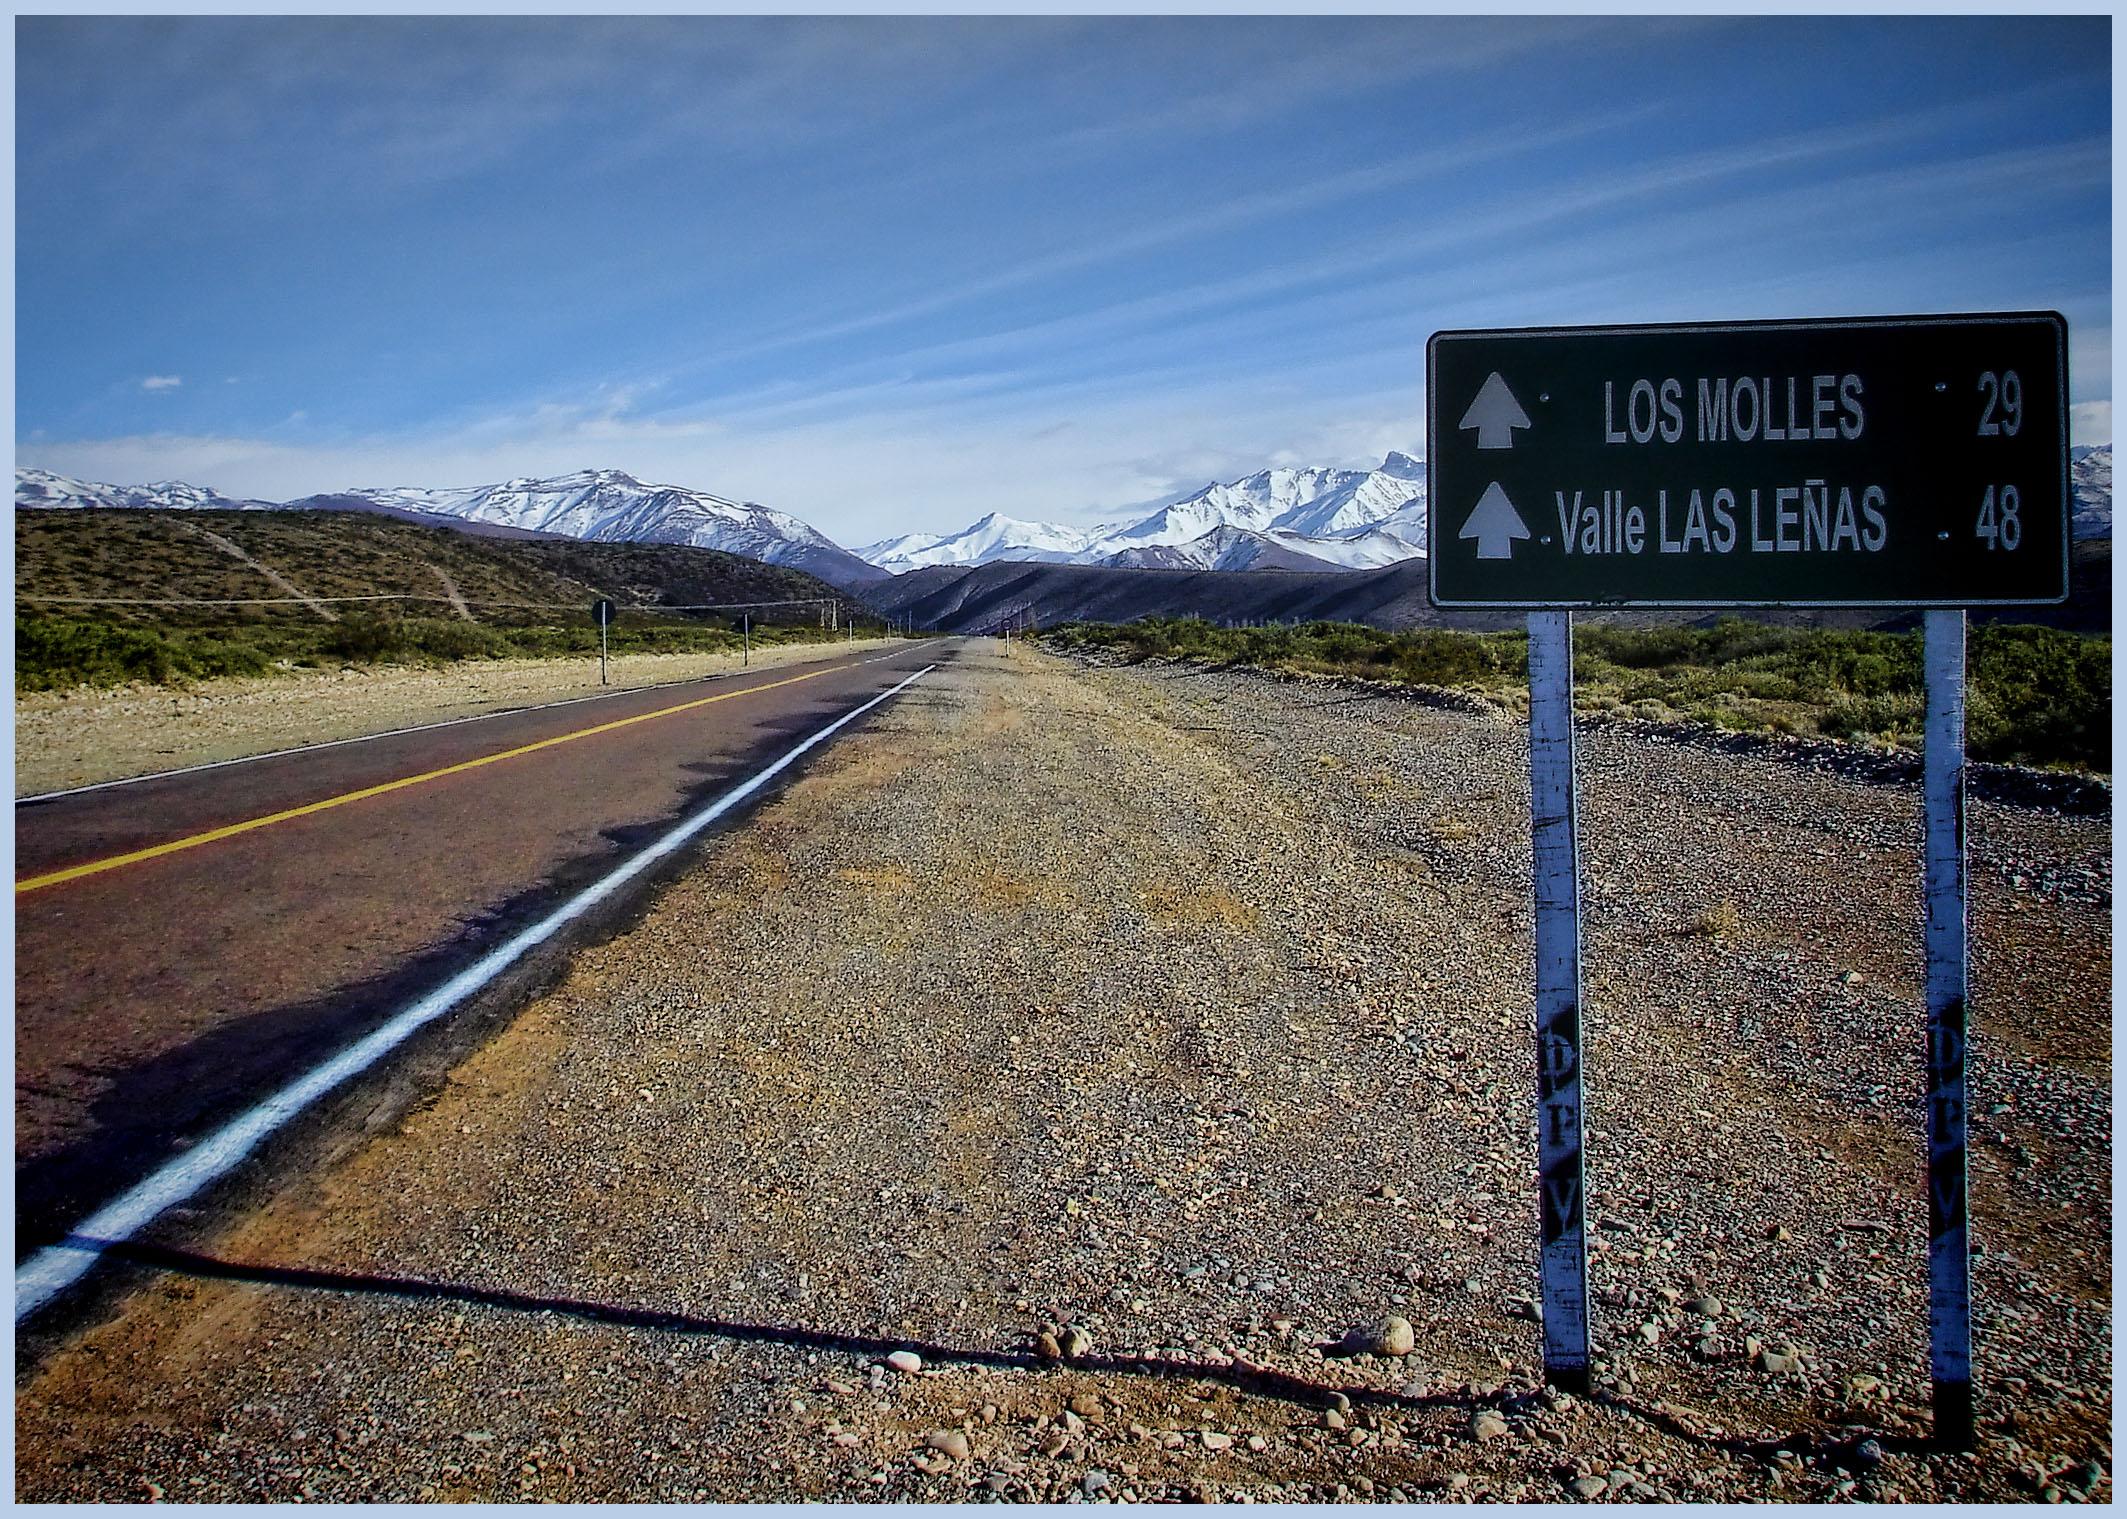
(1287, 519)
(595, 505)
(1291, 519)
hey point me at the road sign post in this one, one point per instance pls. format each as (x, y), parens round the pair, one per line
(602, 614)
(1555, 838)
(1943, 785)
(1870, 462)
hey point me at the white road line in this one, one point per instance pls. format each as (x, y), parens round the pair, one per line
(449, 722)
(56, 1267)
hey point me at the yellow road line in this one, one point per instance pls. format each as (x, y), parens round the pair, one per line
(96, 867)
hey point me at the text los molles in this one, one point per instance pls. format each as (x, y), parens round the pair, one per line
(1811, 517)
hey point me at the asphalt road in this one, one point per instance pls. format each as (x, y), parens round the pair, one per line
(184, 945)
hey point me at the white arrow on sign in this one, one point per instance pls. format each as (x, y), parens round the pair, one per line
(1495, 414)
(1495, 524)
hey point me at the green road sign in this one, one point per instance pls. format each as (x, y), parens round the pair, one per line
(1881, 461)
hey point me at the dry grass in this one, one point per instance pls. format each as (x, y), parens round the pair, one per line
(1177, 906)
(1720, 921)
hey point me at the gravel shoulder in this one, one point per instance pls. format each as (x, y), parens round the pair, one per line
(82, 737)
(1184, 1018)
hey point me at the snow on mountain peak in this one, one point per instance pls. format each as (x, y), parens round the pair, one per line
(989, 537)
(613, 506)
(42, 488)
(1286, 516)
(602, 505)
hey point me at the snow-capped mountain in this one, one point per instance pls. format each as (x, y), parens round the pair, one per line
(38, 487)
(2090, 485)
(1284, 518)
(1352, 517)
(1388, 542)
(1223, 548)
(993, 537)
(609, 506)
(889, 552)
(1235, 548)
(1395, 491)
(1254, 503)
(603, 505)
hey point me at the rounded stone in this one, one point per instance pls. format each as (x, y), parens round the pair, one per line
(948, 1442)
(1390, 1336)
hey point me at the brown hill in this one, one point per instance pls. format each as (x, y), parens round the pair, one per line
(161, 557)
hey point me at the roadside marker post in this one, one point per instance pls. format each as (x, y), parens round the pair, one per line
(1890, 462)
(747, 657)
(602, 614)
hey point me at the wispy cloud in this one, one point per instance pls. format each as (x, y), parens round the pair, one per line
(889, 273)
(383, 105)
(1200, 224)
(1407, 273)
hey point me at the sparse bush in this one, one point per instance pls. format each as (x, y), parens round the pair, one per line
(364, 638)
(1720, 921)
(445, 641)
(1892, 719)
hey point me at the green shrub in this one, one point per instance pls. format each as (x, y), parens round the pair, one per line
(363, 637)
(446, 640)
(59, 653)
(2034, 696)
(2039, 696)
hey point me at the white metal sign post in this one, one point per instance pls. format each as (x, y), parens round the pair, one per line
(1555, 834)
(1881, 461)
(1949, 1278)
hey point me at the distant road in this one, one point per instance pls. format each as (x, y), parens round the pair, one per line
(187, 943)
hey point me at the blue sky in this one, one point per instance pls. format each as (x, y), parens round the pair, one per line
(892, 274)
